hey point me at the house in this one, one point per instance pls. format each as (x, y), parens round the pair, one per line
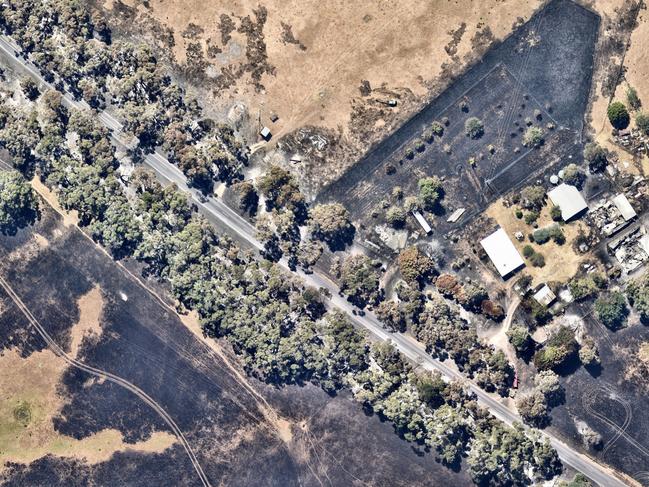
(502, 253)
(569, 200)
(422, 221)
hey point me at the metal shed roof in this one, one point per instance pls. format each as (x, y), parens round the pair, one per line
(569, 199)
(622, 204)
(502, 252)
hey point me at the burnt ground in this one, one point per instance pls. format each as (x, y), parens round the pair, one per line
(545, 65)
(610, 402)
(145, 343)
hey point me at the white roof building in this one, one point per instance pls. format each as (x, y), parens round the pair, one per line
(545, 296)
(622, 203)
(422, 221)
(502, 252)
(569, 199)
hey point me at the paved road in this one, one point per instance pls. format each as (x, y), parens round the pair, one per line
(220, 214)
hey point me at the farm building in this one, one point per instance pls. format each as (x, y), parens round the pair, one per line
(502, 253)
(622, 204)
(569, 199)
(544, 295)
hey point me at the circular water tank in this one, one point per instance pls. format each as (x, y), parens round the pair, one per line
(554, 179)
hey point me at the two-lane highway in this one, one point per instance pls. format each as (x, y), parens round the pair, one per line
(217, 212)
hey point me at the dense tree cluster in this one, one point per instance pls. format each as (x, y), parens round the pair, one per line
(534, 406)
(638, 293)
(415, 266)
(359, 280)
(558, 351)
(18, 203)
(70, 46)
(331, 223)
(470, 296)
(611, 310)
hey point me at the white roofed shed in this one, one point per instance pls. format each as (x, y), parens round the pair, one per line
(622, 203)
(502, 252)
(569, 200)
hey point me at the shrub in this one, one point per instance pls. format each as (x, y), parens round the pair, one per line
(533, 196)
(555, 213)
(618, 115)
(396, 216)
(519, 213)
(430, 192)
(642, 122)
(633, 99)
(528, 251)
(537, 260)
(596, 156)
(438, 128)
(420, 146)
(474, 127)
(542, 235)
(409, 153)
(572, 174)
(533, 137)
(531, 217)
(428, 135)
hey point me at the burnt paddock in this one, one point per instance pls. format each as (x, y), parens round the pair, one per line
(539, 76)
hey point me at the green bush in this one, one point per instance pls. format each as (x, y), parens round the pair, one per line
(642, 122)
(528, 251)
(618, 115)
(474, 127)
(519, 213)
(555, 213)
(531, 217)
(437, 128)
(633, 99)
(542, 235)
(611, 310)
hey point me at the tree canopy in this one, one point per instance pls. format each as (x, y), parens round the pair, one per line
(18, 202)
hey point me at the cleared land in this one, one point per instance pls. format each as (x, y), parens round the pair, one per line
(306, 60)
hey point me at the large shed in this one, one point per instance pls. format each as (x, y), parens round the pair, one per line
(502, 253)
(569, 200)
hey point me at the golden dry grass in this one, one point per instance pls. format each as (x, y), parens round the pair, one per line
(399, 44)
(561, 261)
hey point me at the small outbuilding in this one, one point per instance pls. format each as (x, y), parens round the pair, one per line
(502, 253)
(569, 200)
(422, 221)
(265, 134)
(544, 295)
(622, 204)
